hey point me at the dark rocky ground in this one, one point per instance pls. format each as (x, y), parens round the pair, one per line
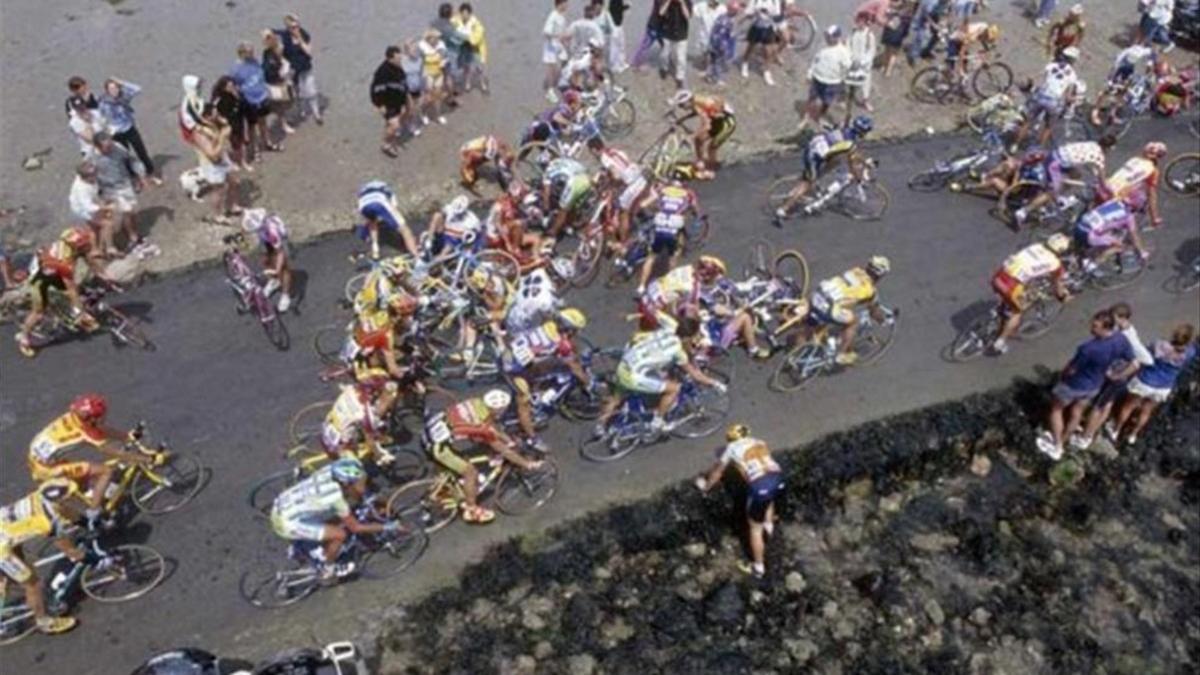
(930, 542)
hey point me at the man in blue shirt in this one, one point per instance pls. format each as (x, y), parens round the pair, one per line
(297, 49)
(1082, 379)
(251, 82)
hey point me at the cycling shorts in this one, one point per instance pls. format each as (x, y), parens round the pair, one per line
(76, 471)
(720, 129)
(722, 332)
(640, 382)
(1085, 239)
(829, 312)
(630, 194)
(298, 529)
(383, 215)
(447, 456)
(1010, 290)
(1045, 108)
(41, 284)
(1054, 174)
(12, 564)
(761, 492)
(665, 243)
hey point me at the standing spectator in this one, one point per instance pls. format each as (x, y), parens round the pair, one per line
(963, 10)
(211, 140)
(191, 107)
(389, 95)
(1044, 11)
(229, 107)
(923, 25)
(1066, 33)
(583, 31)
(251, 82)
(1081, 380)
(85, 122)
(1153, 384)
(433, 70)
(862, 53)
(616, 44)
(1113, 388)
(826, 76)
(554, 51)
(414, 74)
(1156, 22)
(707, 12)
(475, 51)
(722, 43)
(297, 49)
(81, 93)
(446, 24)
(87, 206)
(117, 107)
(762, 38)
(895, 29)
(652, 37)
(277, 71)
(272, 236)
(1059, 88)
(120, 177)
(676, 15)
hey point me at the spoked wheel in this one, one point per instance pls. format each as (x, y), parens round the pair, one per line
(874, 339)
(583, 253)
(621, 438)
(407, 465)
(162, 489)
(802, 29)
(618, 119)
(417, 503)
(532, 160)
(991, 79)
(928, 181)
(353, 285)
(791, 269)
(328, 343)
(1072, 129)
(579, 404)
(704, 412)
(262, 495)
(305, 426)
(520, 491)
(395, 553)
(273, 584)
(974, 340)
(495, 261)
(126, 330)
(131, 571)
(1183, 174)
(232, 273)
(1118, 271)
(272, 322)
(1039, 317)
(659, 159)
(1186, 279)
(797, 367)
(16, 621)
(779, 191)
(929, 85)
(867, 200)
(697, 233)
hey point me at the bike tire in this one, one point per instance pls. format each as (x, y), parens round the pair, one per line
(928, 85)
(787, 378)
(991, 79)
(802, 29)
(263, 585)
(414, 503)
(577, 405)
(973, 341)
(610, 448)
(619, 274)
(931, 180)
(1182, 282)
(1116, 274)
(353, 285)
(500, 262)
(328, 343)
(134, 571)
(520, 492)
(178, 482)
(873, 204)
(618, 120)
(1183, 174)
(1039, 317)
(305, 426)
(871, 345)
(16, 622)
(697, 233)
(708, 412)
(791, 268)
(778, 191)
(584, 251)
(277, 333)
(263, 493)
(395, 553)
(127, 330)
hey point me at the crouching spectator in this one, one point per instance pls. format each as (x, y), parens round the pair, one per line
(1153, 384)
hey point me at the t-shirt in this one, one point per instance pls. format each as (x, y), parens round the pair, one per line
(1168, 363)
(1133, 55)
(1161, 11)
(301, 61)
(1092, 359)
(251, 81)
(84, 198)
(751, 457)
(582, 32)
(389, 86)
(95, 123)
(830, 64)
(674, 23)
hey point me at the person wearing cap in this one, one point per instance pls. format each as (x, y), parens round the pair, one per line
(1059, 88)
(297, 49)
(251, 82)
(1067, 32)
(826, 76)
(272, 235)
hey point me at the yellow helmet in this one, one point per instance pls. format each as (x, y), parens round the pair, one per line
(712, 262)
(395, 266)
(478, 279)
(991, 34)
(736, 432)
(573, 318)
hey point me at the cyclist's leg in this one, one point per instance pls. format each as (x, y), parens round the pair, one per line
(668, 395)
(445, 455)
(524, 405)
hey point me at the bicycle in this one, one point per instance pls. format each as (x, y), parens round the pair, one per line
(60, 321)
(998, 114)
(627, 266)
(1183, 174)
(272, 585)
(840, 191)
(817, 355)
(1119, 104)
(555, 390)
(250, 294)
(774, 292)
(939, 83)
(659, 160)
(111, 574)
(1061, 211)
(612, 109)
(1036, 319)
(698, 412)
(435, 502)
(166, 484)
(534, 156)
(962, 165)
(1186, 278)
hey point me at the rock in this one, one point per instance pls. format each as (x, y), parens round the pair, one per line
(31, 163)
(580, 613)
(981, 465)
(696, 550)
(859, 489)
(482, 609)
(689, 590)
(539, 605)
(844, 629)
(1172, 521)
(1058, 557)
(794, 582)
(801, 650)
(891, 503)
(543, 650)
(757, 597)
(829, 610)
(602, 573)
(517, 594)
(532, 621)
(1104, 448)
(581, 664)
(980, 617)
(524, 665)
(616, 631)
(934, 611)
(724, 606)
(934, 542)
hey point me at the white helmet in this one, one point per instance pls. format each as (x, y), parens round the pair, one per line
(457, 207)
(1071, 53)
(252, 219)
(1058, 243)
(497, 399)
(682, 97)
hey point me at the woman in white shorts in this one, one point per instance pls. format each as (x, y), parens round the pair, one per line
(1153, 384)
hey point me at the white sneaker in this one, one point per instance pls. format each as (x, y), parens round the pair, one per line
(780, 214)
(1045, 444)
(1000, 347)
(1131, 440)
(271, 286)
(424, 120)
(285, 302)
(441, 119)
(1110, 431)
(416, 131)
(768, 79)
(657, 424)
(1080, 442)
(745, 69)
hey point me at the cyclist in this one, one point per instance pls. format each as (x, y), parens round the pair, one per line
(474, 420)
(1136, 182)
(353, 419)
(1121, 76)
(557, 121)
(1173, 88)
(45, 512)
(717, 123)
(645, 369)
(674, 205)
(455, 228)
(493, 297)
(627, 174)
(1102, 232)
(979, 34)
(764, 482)
(481, 150)
(724, 323)
(1068, 158)
(1060, 88)
(837, 301)
(320, 509)
(382, 283)
(565, 187)
(1030, 165)
(373, 353)
(54, 267)
(55, 451)
(377, 205)
(273, 237)
(539, 350)
(823, 152)
(587, 71)
(536, 300)
(1032, 265)
(679, 291)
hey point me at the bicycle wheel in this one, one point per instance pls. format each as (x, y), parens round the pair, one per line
(583, 406)
(131, 571)
(407, 465)
(305, 426)
(394, 553)
(802, 28)
(974, 340)
(262, 495)
(929, 85)
(622, 437)
(271, 586)
(532, 159)
(874, 339)
(353, 285)
(797, 367)
(162, 489)
(1183, 174)
(864, 201)
(779, 191)
(417, 503)
(126, 330)
(702, 413)
(520, 492)
(697, 232)
(1111, 118)
(271, 321)
(1118, 271)
(495, 261)
(1037, 319)
(16, 621)
(618, 119)
(991, 79)
(328, 343)
(791, 269)
(1185, 279)
(930, 180)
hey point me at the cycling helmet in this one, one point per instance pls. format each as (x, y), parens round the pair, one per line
(711, 263)
(478, 279)
(991, 34)
(79, 237)
(497, 400)
(1071, 54)
(862, 125)
(571, 97)
(1154, 150)
(573, 318)
(491, 147)
(57, 489)
(596, 43)
(90, 406)
(682, 97)
(879, 266)
(1059, 243)
(457, 207)
(252, 220)
(346, 471)
(736, 432)
(395, 266)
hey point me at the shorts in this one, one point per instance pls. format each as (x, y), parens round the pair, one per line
(825, 93)
(630, 194)
(722, 333)
(665, 242)
(953, 49)
(434, 82)
(553, 54)
(1043, 108)
(391, 112)
(299, 529)
(812, 166)
(1086, 239)
(124, 199)
(252, 112)
(306, 84)
(720, 129)
(1110, 392)
(215, 173)
(1121, 74)
(444, 454)
(825, 311)
(762, 34)
(1054, 174)
(382, 214)
(1011, 291)
(12, 565)
(761, 492)
(640, 382)
(1065, 394)
(76, 471)
(1143, 390)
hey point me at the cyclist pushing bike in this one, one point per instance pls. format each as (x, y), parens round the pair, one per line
(717, 123)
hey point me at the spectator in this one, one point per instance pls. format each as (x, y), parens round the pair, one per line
(722, 43)
(554, 51)
(582, 32)
(277, 71)
(707, 12)
(120, 176)
(1060, 86)
(1153, 384)
(762, 38)
(923, 27)
(587, 71)
(116, 107)
(862, 54)
(446, 24)
(1044, 11)
(433, 70)
(1081, 380)
(414, 73)
(963, 10)
(1155, 24)
(895, 29)
(251, 83)
(1113, 388)
(81, 93)
(191, 108)
(229, 106)
(676, 15)
(616, 43)
(272, 236)
(1066, 33)
(652, 37)
(389, 95)
(87, 206)
(297, 49)
(212, 144)
(475, 51)
(826, 76)
(85, 122)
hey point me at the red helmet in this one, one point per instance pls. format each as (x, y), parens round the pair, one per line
(571, 97)
(79, 237)
(90, 406)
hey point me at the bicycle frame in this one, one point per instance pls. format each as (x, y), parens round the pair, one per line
(130, 472)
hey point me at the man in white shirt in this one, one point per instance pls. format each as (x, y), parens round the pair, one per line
(87, 205)
(85, 123)
(583, 31)
(1156, 22)
(862, 51)
(1059, 89)
(827, 75)
(706, 13)
(554, 51)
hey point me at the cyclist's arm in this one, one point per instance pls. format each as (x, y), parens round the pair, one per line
(393, 368)
(358, 527)
(573, 364)
(1152, 202)
(698, 375)
(713, 476)
(69, 549)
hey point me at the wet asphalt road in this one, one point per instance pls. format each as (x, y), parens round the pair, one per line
(217, 389)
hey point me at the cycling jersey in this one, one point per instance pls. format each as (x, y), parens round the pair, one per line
(534, 300)
(25, 519)
(272, 234)
(477, 147)
(680, 285)
(463, 229)
(571, 179)
(537, 346)
(1127, 61)
(376, 291)
(1032, 262)
(64, 436)
(824, 146)
(674, 202)
(56, 260)
(751, 458)
(1080, 154)
(377, 201)
(711, 107)
(1059, 78)
(577, 65)
(563, 169)
(836, 299)
(1105, 226)
(348, 415)
(646, 358)
(302, 511)
(1131, 182)
(619, 166)
(470, 420)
